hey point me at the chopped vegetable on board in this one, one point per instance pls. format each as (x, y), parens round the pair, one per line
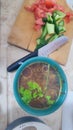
(40, 8)
(50, 18)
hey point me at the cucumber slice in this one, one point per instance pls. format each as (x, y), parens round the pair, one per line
(38, 40)
(54, 14)
(61, 23)
(58, 15)
(40, 44)
(49, 18)
(54, 36)
(44, 32)
(50, 28)
(62, 29)
(56, 29)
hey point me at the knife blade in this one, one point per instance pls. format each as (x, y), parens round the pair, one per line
(43, 51)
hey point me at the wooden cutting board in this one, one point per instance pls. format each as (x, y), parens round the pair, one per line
(23, 34)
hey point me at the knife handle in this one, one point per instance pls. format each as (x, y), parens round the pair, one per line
(16, 64)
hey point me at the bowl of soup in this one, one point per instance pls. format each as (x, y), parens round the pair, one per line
(40, 86)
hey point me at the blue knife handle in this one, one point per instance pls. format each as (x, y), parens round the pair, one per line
(16, 64)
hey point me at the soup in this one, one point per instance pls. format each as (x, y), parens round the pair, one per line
(39, 85)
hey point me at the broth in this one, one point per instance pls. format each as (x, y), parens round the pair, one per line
(39, 85)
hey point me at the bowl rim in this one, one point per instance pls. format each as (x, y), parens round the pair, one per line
(54, 107)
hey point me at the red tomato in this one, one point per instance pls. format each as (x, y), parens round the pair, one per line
(68, 17)
(50, 3)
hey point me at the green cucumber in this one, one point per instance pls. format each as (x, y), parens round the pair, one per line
(49, 18)
(44, 32)
(61, 29)
(56, 29)
(58, 15)
(61, 23)
(40, 43)
(53, 37)
(50, 28)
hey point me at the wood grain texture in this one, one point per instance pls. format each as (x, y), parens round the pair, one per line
(22, 29)
(23, 35)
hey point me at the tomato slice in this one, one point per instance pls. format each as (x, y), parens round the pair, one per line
(68, 17)
(50, 3)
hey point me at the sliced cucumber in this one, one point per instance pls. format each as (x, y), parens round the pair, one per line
(56, 29)
(44, 32)
(49, 18)
(54, 14)
(38, 40)
(40, 43)
(58, 15)
(61, 29)
(61, 23)
(50, 28)
(54, 36)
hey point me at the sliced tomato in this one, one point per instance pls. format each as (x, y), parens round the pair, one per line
(50, 3)
(39, 21)
(68, 17)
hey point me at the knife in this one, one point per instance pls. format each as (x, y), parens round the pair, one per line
(43, 51)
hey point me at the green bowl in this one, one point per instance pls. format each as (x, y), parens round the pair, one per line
(61, 98)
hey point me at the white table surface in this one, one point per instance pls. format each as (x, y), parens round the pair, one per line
(9, 109)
